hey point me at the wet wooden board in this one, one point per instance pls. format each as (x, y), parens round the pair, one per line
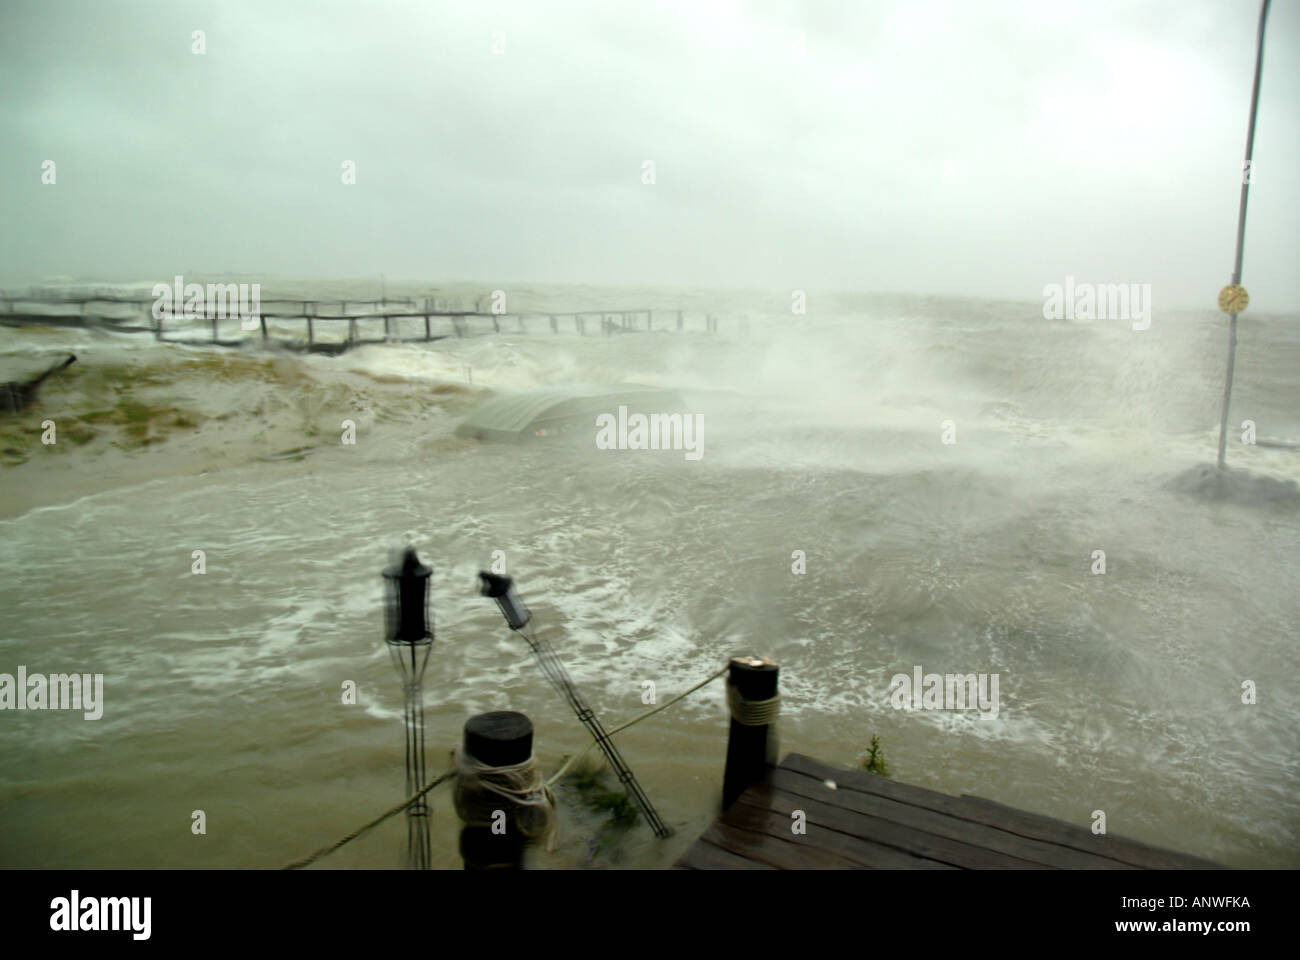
(865, 821)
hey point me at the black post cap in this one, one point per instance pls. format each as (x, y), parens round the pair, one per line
(754, 677)
(499, 739)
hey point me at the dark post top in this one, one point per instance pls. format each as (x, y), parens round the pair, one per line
(750, 749)
(754, 677)
(499, 739)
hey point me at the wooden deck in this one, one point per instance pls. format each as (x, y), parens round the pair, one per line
(869, 822)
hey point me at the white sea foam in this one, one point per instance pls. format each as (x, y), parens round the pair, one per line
(824, 437)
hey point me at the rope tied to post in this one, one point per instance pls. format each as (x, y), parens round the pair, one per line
(521, 784)
(324, 851)
(635, 720)
(481, 790)
(752, 713)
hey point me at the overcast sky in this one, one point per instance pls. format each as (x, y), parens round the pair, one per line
(984, 148)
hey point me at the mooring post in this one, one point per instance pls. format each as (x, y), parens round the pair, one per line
(752, 701)
(502, 738)
(263, 321)
(352, 329)
(428, 330)
(311, 333)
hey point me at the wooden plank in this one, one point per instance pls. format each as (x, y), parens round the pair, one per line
(954, 828)
(881, 786)
(1124, 849)
(777, 852)
(755, 812)
(842, 826)
(1008, 819)
(705, 856)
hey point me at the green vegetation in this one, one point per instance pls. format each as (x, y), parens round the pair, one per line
(79, 434)
(618, 805)
(126, 404)
(107, 390)
(874, 761)
(145, 424)
(618, 812)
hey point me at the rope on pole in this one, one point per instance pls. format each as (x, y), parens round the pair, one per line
(635, 720)
(323, 851)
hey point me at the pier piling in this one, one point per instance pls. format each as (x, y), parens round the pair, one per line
(494, 740)
(753, 700)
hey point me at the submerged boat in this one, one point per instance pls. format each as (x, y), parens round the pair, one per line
(562, 410)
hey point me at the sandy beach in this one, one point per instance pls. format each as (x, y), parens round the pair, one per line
(125, 415)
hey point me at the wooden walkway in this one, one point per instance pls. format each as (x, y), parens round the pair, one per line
(403, 321)
(869, 822)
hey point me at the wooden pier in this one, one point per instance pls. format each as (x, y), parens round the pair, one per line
(858, 820)
(350, 323)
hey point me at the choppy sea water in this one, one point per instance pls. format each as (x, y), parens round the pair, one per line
(1119, 692)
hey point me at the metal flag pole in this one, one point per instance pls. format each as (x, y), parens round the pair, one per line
(1233, 298)
(502, 589)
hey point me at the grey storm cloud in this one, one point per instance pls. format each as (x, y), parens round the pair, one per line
(981, 149)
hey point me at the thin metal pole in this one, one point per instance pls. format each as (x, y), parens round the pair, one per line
(418, 851)
(1241, 225)
(559, 677)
